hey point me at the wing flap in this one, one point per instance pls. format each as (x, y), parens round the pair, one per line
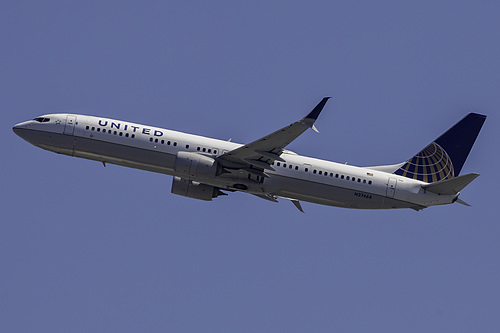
(259, 164)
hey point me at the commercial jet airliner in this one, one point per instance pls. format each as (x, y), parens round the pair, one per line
(202, 168)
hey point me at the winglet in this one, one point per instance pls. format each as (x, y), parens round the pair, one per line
(317, 110)
(313, 115)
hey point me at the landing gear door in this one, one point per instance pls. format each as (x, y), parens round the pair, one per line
(391, 187)
(69, 128)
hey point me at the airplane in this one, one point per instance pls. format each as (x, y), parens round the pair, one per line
(203, 168)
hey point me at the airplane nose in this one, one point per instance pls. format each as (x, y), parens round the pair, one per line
(18, 128)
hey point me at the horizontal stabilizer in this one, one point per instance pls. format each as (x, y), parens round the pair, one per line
(450, 186)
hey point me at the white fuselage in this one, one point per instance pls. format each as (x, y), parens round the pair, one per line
(156, 149)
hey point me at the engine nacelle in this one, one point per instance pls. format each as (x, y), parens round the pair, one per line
(195, 190)
(191, 165)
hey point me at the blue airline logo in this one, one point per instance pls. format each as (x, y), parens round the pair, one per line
(134, 129)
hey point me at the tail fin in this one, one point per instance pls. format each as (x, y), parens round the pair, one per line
(445, 157)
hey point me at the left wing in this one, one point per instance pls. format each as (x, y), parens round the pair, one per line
(257, 156)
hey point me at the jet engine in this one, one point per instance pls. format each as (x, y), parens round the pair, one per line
(190, 165)
(195, 190)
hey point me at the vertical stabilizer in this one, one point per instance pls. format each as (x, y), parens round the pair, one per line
(445, 157)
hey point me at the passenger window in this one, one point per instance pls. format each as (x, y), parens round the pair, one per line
(278, 164)
(156, 140)
(175, 144)
(209, 150)
(215, 151)
(133, 135)
(306, 169)
(369, 182)
(342, 177)
(204, 150)
(296, 168)
(168, 143)
(93, 128)
(314, 171)
(121, 133)
(151, 139)
(347, 178)
(284, 165)
(85, 127)
(290, 166)
(162, 142)
(98, 129)
(187, 146)
(126, 134)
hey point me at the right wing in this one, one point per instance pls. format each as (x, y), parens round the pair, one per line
(257, 156)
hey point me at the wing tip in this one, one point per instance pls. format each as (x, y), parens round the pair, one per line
(317, 110)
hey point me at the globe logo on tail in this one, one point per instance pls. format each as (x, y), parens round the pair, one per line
(430, 165)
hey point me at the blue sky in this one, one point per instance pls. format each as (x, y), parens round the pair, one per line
(90, 249)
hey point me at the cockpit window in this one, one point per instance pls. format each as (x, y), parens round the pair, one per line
(42, 119)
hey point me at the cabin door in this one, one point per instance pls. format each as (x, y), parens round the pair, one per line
(69, 128)
(391, 187)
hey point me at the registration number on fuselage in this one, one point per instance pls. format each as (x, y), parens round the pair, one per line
(362, 195)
